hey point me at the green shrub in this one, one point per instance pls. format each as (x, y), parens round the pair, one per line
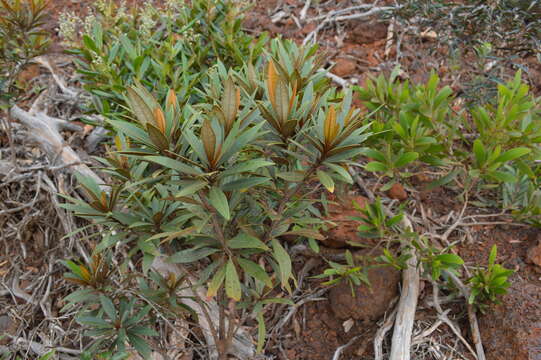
(215, 186)
(21, 38)
(169, 48)
(487, 284)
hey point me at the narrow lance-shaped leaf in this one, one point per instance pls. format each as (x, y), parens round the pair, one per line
(216, 282)
(271, 83)
(159, 118)
(219, 201)
(284, 263)
(326, 180)
(230, 103)
(232, 282)
(139, 107)
(209, 141)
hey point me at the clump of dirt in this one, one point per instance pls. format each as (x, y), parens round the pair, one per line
(369, 302)
(344, 230)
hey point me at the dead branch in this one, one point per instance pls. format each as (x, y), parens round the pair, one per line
(380, 334)
(42, 60)
(403, 327)
(305, 8)
(472, 317)
(46, 131)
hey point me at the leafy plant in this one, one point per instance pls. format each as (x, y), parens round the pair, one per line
(487, 284)
(215, 186)
(353, 274)
(376, 223)
(21, 38)
(436, 261)
(168, 49)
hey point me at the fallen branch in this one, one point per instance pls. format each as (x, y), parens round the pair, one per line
(380, 335)
(405, 316)
(46, 131)
(304, 10)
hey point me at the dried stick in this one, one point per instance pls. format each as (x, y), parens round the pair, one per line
(380, 335)
(474, 324)
(403, 327)
(46, 131)
(305, 8)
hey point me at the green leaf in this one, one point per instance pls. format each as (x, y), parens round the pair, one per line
(191, 255)
(218, 199)
(191, 189)
(94, 322)
(308, 233)
(479, 151)
(444, 179)
(232, 282)
(513, 154)
(128, 47)
(293, 176)
(131, 131)
(47, 356)
(140, 345)
(245, 241)
(492, 256)
(261, 332)
(243, 184)
(405, 159)
(174, 164)
(326, 180)
(450, 259)
(143, 331)
(374, 154)
(284, 263)
(503, 176)
(216, 282)
(108, 306)
(247, 166)
(376, 166)
(255, 271)
(343, 173)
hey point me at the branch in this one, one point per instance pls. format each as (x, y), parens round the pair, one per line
(403, 327)
(46, 131)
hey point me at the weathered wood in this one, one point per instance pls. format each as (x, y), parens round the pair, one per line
(405, 316)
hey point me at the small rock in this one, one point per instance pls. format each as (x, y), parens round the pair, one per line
(370, 302)
(397, 192)
(344, 67)
(534, 254)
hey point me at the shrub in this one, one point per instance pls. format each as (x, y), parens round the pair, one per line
(21, 38)
(215, 186)
(169, 48)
